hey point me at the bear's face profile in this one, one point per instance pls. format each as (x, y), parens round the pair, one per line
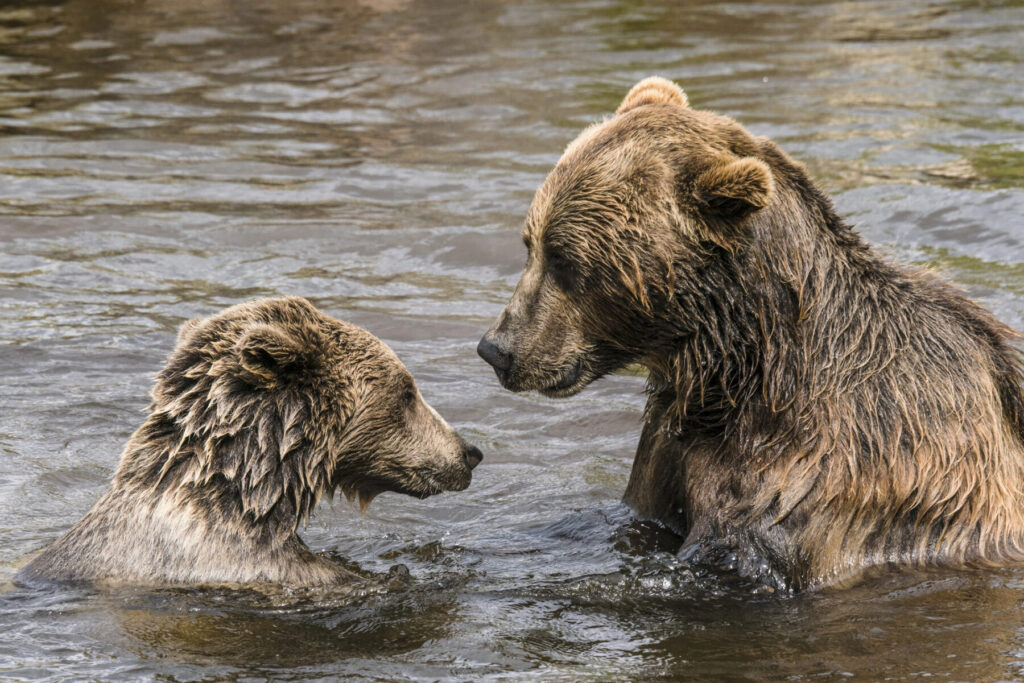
(287, 404)
(629, 219)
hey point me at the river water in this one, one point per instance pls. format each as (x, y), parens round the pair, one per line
(162, 159)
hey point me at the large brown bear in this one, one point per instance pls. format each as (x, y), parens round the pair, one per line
(813, 408)
(260, 411)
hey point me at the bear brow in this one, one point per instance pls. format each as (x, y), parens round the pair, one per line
(527, 234)
(535, 218)
(577, 212)
(568, 238)
(574, 209)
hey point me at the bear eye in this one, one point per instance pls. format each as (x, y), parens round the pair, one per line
(562, 269)
(408, 396)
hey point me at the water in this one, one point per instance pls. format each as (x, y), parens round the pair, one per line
(164, 159)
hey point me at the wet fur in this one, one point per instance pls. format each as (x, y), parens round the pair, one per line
(813, 408)
(260, 411)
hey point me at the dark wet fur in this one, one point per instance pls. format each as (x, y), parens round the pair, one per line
(811, 405)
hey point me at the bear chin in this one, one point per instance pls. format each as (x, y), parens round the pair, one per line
(571, 382)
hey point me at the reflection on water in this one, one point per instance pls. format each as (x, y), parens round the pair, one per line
(165, 158)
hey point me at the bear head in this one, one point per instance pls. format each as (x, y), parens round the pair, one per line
(285, 404)
(624, 231)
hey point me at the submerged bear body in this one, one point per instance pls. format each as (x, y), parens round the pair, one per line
(260, 411)
(813, 408)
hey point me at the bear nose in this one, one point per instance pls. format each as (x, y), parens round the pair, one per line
(472, 456)
(499, 359)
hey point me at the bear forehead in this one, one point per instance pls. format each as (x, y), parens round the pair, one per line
(604, 162)
(338, 340)
(661, 127)
(293, 312)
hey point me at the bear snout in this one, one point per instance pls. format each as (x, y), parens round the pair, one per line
(472, 456)
(499, 358)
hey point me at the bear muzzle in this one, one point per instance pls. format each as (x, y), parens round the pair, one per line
(472, 456)
(496, 355)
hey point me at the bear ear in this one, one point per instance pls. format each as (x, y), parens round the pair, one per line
(186, 329)
(266, 353)
(654, 89)
(734, 189)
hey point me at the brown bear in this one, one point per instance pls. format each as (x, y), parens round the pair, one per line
(813, 409)
(260, 411)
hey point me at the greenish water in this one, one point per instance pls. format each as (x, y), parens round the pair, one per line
(163, 159)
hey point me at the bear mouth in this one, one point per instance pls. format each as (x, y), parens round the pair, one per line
(571, 382)
(431, 486)
(417, 484)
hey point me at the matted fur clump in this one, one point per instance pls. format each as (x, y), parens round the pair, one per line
(813, 408)
(260, 411)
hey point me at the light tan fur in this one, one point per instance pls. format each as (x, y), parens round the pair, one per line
(653, 90)
(260, 411)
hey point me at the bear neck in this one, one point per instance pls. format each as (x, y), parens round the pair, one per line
(826, 389)
(765, 310)
(806, 314)
(162, 465)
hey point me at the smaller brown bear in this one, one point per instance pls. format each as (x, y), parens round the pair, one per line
(260, 411)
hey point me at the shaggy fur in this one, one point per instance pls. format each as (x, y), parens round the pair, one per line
(260, 411)
(813, 408)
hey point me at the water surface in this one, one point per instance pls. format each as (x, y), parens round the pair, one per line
(163, 159)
